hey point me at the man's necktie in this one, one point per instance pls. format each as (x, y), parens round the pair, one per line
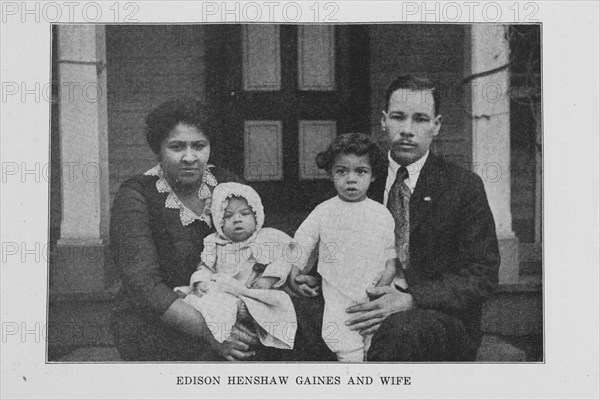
(398, 204)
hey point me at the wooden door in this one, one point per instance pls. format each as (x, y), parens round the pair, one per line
(280, 94)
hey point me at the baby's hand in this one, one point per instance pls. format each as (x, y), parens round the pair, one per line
(180, 293)
(264, 283)
(200, 288)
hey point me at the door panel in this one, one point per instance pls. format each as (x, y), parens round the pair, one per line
(316, 57)
(263, 152)
(261, 57)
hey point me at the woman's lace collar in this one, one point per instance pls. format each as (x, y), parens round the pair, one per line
(186, 215)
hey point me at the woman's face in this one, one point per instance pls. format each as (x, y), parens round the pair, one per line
(184, 154)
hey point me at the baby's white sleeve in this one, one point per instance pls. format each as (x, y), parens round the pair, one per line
(278, 265)
(209, 253)
(205, 270)
(278, 269)
(305, 241)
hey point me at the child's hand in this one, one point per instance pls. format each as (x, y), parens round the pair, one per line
(377, 280)
(304, 289)
(303, 285)
(264, 283)
(385, 277)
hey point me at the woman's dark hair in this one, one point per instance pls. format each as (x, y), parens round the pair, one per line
(353, 143)
(163, 119)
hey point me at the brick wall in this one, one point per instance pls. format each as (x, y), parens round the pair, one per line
(436, 51)
(146, 65)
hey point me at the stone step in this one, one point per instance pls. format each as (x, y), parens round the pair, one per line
(495, 349)
(79, 320)
(80, 324)
(492, 349)
(92, 354)
(515, 310)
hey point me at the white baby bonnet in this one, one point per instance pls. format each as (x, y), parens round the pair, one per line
(223, 192)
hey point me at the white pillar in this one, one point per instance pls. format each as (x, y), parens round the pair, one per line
(491, 135)
(84, 158)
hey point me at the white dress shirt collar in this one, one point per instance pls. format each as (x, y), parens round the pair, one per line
(414, 170)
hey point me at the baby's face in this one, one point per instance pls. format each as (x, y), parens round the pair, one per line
(239, 222)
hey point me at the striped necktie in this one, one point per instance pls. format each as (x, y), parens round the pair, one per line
(398, 204)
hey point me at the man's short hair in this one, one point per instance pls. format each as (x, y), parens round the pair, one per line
(415, 83)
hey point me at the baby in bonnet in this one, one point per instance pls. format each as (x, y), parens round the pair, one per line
(241, 263)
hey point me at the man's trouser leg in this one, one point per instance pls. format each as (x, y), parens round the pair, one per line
(422, 335)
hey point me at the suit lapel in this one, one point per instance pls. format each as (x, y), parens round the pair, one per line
(429, 187)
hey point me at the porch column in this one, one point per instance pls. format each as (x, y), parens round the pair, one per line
(491, 135)
(84, 159)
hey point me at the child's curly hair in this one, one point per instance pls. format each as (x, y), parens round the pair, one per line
(353, 143)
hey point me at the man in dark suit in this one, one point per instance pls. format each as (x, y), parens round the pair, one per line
(452, 258)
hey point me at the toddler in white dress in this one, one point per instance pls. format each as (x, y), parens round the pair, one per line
(356, 242)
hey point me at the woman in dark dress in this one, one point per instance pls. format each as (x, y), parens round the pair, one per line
(158, 223)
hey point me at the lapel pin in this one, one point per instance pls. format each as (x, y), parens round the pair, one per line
(427, 198)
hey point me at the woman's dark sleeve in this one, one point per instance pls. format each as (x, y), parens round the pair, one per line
(135, 253)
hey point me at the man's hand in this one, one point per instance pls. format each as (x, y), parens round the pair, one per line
(384, 302)
(303, 285)
(238, 345)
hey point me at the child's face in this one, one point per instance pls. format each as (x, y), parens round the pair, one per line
(239, 222)
(352, 176)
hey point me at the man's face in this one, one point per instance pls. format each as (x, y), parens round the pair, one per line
(410, 124)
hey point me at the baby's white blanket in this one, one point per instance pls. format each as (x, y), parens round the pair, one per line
(272, 310)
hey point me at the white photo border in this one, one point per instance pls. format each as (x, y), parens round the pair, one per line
(570, 120)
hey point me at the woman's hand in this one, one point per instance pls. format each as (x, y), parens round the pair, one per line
(238, 345)
(384, 301)
(303, 285)
(243, 314)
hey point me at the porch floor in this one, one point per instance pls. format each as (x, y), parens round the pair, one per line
(512, 324)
